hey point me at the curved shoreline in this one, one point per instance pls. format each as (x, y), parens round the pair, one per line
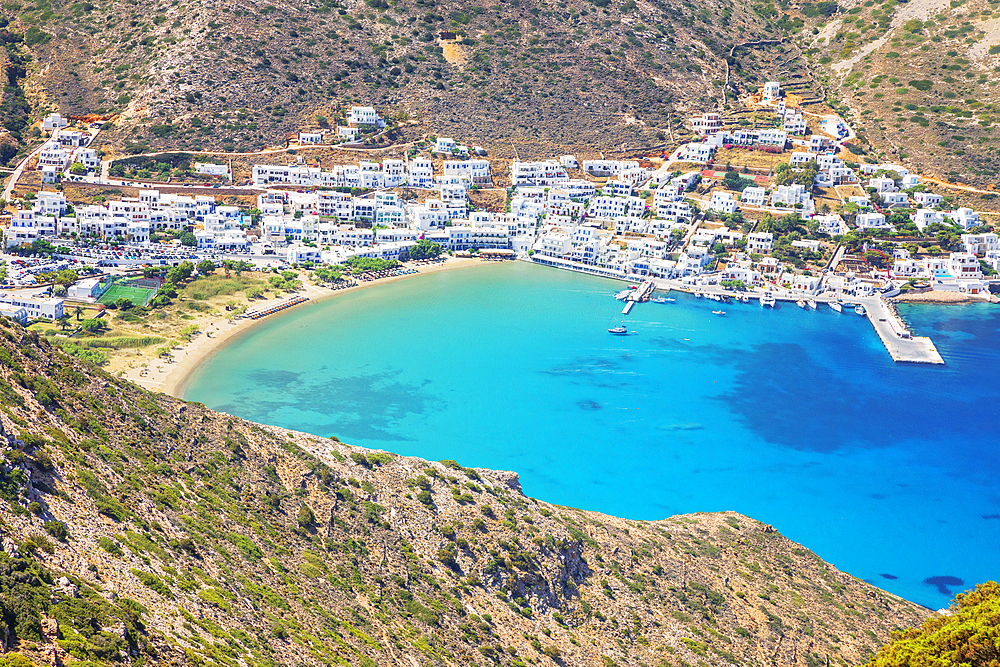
(173, 378)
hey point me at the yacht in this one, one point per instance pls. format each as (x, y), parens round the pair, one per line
(767, 299)
(860, 309)
(619, 331)
(718, 312)
(801, 304)
(812, 304)
(836, 306)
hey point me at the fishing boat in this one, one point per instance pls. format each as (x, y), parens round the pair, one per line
(801, 304)
(812, 304)
(860, 309)
(718, 312)
(618, 331)
(768, 300)
(836, 306)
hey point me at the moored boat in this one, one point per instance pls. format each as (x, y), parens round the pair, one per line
(812, 304)
(836, 306)
(768, 300)
(618, 331)
(698, 295)
(718, 312)
(801, 304)
(860, 309)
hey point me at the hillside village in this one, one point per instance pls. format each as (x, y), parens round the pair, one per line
(811, 221)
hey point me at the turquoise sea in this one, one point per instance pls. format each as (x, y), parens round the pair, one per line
(796, 418)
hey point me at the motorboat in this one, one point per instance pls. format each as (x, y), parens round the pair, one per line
(801, 304)
(618, 331)
(718, 312)
(860, 309)
(812, 304)
(698, 295)
(836, 306)
(768, 300)
(621, 296)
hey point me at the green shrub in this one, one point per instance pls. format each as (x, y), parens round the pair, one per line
(109, 545)
(154, 582)
(57, 529)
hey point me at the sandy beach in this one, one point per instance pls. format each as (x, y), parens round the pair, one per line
(171, 377)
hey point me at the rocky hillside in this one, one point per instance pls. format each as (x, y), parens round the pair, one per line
(546, 75)
(141, 529)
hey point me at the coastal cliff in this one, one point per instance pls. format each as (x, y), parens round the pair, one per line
(141, 529)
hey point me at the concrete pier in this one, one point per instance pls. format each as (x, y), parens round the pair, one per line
(901, 345)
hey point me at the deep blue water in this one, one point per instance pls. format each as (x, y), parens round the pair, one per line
(796, 418)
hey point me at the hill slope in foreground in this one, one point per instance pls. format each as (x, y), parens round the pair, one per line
(140, 528)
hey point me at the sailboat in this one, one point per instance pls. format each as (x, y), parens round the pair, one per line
(812, 304)
(619, 330)
(836, 306)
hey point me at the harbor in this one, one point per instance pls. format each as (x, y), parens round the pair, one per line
(899, 342)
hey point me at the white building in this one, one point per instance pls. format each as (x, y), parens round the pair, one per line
(754, 196)
(209, 169)
(364, 116)
(928, 199)
(543, 173)
(965, 218)
(722, 202)
(310, 137)
(36, 306)
(760, 242)
(54, 121)
(771, 92)
(707, 123)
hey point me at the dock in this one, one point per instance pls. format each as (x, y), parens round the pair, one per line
(628, 306)
(899, 342)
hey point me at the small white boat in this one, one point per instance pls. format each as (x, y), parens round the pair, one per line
(718, 312)
(836, 306)
(801, 304)
(618, 331)
(669, 300)
(768, 300)
(860, 309)
(621, 296)
(698, 295)
(812, 304)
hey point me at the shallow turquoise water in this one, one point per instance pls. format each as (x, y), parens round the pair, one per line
(798, 419)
